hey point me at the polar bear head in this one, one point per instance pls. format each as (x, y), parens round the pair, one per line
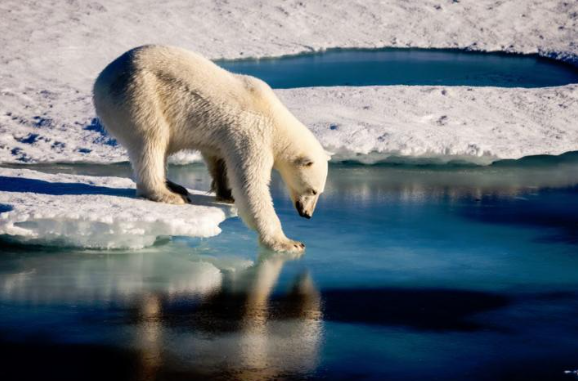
(305, 178)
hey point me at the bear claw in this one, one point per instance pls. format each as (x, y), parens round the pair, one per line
(176, 188)
(286, 245)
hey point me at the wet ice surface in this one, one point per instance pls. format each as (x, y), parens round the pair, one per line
(410, 273)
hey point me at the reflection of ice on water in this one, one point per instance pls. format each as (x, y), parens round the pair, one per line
(406, 184)
(94, 278)
(206, 315)
(271, 337)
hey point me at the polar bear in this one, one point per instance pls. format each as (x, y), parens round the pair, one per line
(158, 100)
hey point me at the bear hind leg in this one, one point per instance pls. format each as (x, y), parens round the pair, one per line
(150, 172)
(220, 184)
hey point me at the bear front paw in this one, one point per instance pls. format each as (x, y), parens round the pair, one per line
(285, 245)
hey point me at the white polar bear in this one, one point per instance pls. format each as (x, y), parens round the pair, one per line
(158, 100)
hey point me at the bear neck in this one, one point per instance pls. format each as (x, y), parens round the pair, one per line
(290, 138)
(290, 142)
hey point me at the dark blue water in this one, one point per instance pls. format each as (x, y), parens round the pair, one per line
(411, 273)
(406, 67)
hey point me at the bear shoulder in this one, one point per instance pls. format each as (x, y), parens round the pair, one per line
(259, 95)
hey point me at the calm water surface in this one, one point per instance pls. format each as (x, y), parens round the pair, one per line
(358, 67)
(411, 273)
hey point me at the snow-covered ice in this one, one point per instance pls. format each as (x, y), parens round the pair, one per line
(52, 51)
(371, 124)
(96, 212)
(439, 124)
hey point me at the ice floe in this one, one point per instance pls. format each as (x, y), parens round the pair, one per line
(96, 212)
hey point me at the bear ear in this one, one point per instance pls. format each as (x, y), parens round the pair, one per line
(304, 161)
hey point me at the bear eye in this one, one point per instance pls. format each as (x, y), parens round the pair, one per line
(304, 161)
(313, 192)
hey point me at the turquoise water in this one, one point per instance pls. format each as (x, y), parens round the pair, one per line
(355, 67)
(411, 273)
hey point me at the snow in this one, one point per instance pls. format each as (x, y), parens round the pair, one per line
(96, 212)
(371, 124)
(52, 51)
(438, 124)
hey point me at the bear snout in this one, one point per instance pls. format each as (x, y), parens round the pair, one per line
(301, 210)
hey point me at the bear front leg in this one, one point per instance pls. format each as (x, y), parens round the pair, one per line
(249, 175)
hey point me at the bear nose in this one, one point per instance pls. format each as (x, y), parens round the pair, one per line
(302, 213)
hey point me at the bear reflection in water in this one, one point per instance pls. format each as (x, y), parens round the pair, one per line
(221, 321)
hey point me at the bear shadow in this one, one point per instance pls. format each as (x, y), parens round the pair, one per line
(25, 185)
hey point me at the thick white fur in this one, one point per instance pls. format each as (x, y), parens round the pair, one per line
(157, 100)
